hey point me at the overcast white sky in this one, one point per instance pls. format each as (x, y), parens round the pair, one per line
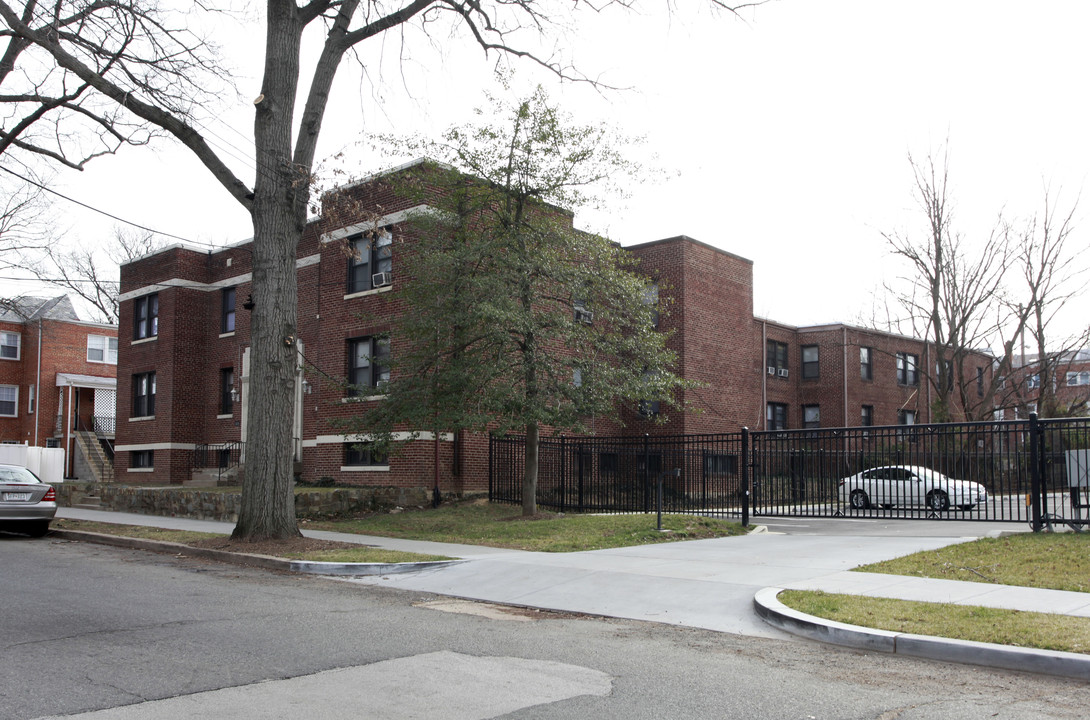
(786, 134)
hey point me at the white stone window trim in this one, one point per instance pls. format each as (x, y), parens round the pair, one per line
(372, 291)
(365, 468)
(141, 418)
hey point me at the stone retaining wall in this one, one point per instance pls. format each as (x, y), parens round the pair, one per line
(200, 504)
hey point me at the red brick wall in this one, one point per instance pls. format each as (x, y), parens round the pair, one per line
(64, 350)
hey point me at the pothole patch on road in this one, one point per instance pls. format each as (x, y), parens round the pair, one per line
(490, 611)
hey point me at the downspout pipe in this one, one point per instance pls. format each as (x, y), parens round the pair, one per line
(38, 386)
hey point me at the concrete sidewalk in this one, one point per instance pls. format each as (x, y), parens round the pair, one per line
(709, 584)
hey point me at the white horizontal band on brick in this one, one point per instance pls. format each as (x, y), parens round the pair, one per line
(156, 446)
(365, 468)
(398, 437)
(209, 287)
(400, 216)
(141, 470)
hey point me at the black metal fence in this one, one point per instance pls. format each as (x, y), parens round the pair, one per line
(217, 455)
(1025, 467)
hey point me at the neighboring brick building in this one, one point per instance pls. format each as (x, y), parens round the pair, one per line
(57, 379)
(184, 356)
(1022, 390)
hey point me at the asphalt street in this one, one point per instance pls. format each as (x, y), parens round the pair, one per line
(99, 632)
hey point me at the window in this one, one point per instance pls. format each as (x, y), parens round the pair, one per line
(9, 401)
(1078, 378)
(980, 382)
(720, 464)
(145, 317)
(811, 416)
(1033, 382)
(776, 416)
(866, 418)
(32, 399)
(608, 462)
(227, 388)
(776, 358)
(810, 368)
(866, 363)
(143, 395)
(907, 372)
(102, 349)
(906, 417)
(577, 377)
(651, 298)
(370, 262)
(142, 459)
(52, 442)
(362, 455)
(227, 314)
(649, 408)
(581, 311)
(945, 379)
(368, 364)
(9, 345)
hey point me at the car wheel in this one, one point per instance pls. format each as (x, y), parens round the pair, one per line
(937, 500)
(859, 500)
(37, 529)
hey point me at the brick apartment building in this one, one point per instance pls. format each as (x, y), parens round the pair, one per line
(1070, 385)
(58, 382)
(184, 356)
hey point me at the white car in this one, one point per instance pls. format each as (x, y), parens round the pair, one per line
(909, 486)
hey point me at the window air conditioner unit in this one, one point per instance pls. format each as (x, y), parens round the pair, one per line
(783, 372)
(382, 279)
(584, 316)
(771, 370)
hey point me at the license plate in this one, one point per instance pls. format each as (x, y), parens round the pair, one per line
(16, 497)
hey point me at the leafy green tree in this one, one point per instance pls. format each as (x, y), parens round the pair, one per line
(514, 319)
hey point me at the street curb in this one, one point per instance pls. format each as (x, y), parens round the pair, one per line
(250, 560)
(1045, 662)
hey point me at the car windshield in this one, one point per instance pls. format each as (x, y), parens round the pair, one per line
(18, 475)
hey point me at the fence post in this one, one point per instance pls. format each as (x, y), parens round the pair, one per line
(1035, 471)
(745, 477)
(647, 472)
(563, 474)
(491, 445)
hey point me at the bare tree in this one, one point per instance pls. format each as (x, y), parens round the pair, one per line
(132, 54)
(89, 273)
(953, 297)
(964, 298)
(1050, 275)
(23, 210)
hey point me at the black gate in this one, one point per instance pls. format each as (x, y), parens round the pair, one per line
(1017, 469)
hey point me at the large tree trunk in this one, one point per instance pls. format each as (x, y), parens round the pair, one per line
(279, 215)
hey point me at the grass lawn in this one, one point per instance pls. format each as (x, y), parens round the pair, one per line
(964, 622)
(483, 523)
(1058, 561)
